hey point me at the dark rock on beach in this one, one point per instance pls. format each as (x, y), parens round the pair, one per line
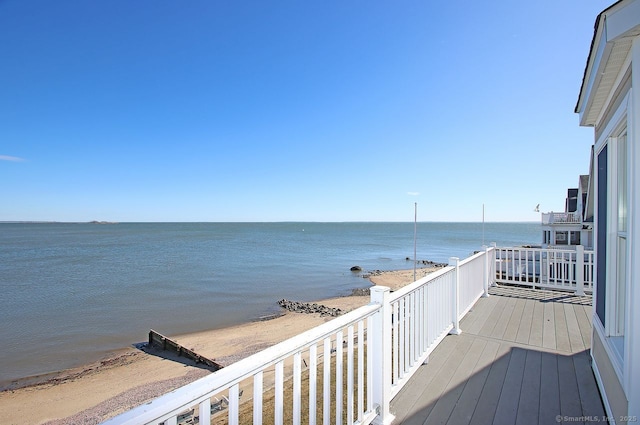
(356, 269)
(427, 262)
(372, 273)
(359, 292)
(310, 308)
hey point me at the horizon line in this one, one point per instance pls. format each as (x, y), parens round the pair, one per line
(250, 222)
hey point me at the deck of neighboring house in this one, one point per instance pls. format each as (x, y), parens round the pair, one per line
(522, 358)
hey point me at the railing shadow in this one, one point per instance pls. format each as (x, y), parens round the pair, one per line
(523, 386)
(540, 294)
(480, 378)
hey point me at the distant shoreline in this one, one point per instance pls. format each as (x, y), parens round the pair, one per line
(266, 222)
(60, 222)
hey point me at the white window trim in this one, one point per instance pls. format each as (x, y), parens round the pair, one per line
(620, 121)
(632, 137)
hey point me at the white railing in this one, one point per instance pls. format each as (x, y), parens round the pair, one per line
(561, 218)
(304, 379)
(297, 361)
(551, 268)
(471, 267)
(422, 316)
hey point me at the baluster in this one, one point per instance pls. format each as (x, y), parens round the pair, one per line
(297, 378)
(279, 396)
(313, 381)
(257, 398)
(326, 383)
(339, 362)
(350, 381)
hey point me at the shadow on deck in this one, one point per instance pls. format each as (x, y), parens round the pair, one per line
(522, 358)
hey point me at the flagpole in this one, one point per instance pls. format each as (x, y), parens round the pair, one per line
(415, 232)
(482, 224)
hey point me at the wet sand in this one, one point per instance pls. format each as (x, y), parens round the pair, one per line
(98, 391)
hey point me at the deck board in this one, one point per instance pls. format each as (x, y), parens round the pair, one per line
(562, 332)
(530, 391)
(478, 316)
(589, 393)
(535, 337)
(507, 408)
(548, 327)
(583, 314)
(468, 401)
(438, 382)
(569, 395)
(527, 369)
(488, 401)
(491, 321)
(437, 361)
(524, 328)
(511, 331)
(575, 336)
(446, 403)
(549, 406)
(501, 326)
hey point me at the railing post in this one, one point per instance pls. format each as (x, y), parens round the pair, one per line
(486, 272)
(579, 270)
(381, 353)
(455, 262)
(493, 266)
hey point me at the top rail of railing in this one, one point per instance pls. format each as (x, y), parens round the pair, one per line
(168, 405)
(399, 330)
(561, 218)
(551, 268)
(407, 289)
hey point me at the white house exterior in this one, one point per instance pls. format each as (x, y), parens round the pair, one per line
(572, 227)
(609, 101)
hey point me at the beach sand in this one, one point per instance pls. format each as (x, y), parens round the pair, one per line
(96, 392)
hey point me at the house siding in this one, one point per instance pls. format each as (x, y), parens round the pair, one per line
(616, 399)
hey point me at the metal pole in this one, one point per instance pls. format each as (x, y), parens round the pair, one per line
(482, 224)
(415, 232)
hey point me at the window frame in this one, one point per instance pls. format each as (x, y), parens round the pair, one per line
(616, 311)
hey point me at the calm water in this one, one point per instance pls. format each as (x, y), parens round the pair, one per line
(69, 293)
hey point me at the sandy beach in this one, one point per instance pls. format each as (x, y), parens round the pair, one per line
(98, 391)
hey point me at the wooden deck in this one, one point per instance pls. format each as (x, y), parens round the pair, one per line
(522, 358)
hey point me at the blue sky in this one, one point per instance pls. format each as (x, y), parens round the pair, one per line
(291, 110)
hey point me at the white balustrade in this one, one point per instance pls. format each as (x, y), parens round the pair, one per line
(550, 268)
(386, 342)
(561, 218)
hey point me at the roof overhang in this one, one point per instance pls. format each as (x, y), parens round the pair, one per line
(614, 31)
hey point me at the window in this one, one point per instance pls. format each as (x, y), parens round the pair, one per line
(601, 248)
(621, 236)
(575, 238)
(561, 238)
(612, 250)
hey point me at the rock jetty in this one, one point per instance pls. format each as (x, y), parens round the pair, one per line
(310, 308)
(360, 292)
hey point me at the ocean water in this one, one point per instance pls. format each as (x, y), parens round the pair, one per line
(72, 292)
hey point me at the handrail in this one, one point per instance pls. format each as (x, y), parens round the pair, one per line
(551, 268)
(177, 400)
(402, 329)
(418, 283)
(561, 218)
